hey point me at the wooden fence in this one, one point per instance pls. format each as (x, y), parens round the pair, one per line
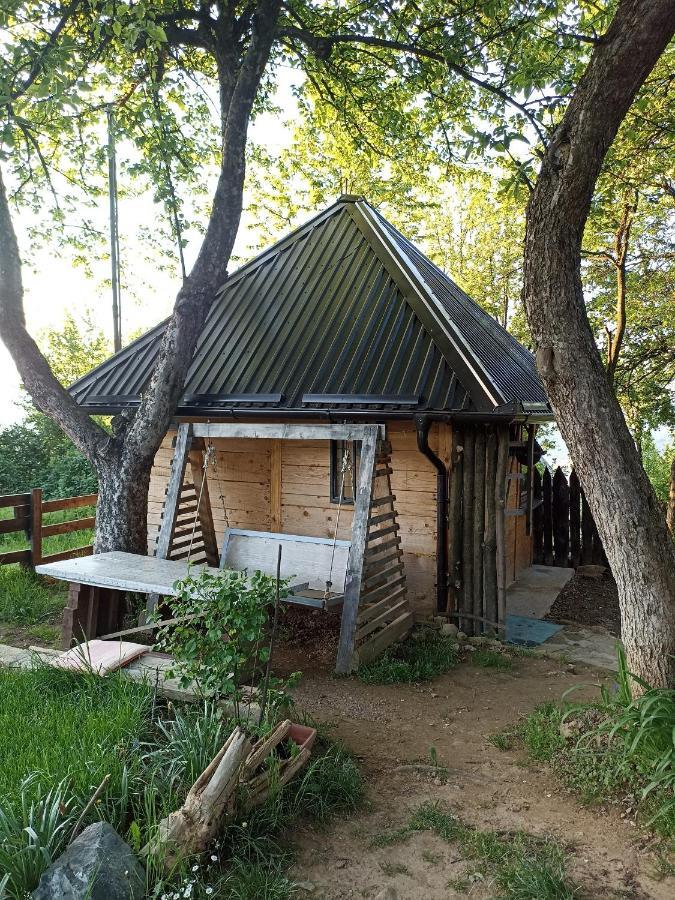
(29, 510)
(563, 530)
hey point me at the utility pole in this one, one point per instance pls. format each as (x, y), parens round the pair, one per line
(114, 231)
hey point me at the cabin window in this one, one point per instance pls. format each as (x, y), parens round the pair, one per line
(339, 466)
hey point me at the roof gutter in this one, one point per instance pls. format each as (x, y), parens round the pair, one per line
(329, 415)
(422, 425)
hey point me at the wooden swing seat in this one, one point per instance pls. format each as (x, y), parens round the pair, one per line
(306, 558)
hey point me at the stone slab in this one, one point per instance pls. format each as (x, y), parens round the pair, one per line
(535, 590)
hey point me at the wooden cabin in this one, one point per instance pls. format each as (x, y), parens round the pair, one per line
(345, 322)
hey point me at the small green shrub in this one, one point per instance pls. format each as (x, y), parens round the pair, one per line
(222, 643)
(419, 658)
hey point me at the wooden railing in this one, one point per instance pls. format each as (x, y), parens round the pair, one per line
(29, 510)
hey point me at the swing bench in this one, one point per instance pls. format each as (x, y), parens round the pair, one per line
(307, 558)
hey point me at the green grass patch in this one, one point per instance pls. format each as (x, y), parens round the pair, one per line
(616, 749)
(27, 599)
(522, 866)
(61, 733)
(490, 659)
(421, 657)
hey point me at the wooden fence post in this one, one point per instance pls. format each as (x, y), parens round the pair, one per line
(538, 521)
(575, 519)
(548, 518)
(478, 527)
(587, 527)
(35, 527)
(561, 518)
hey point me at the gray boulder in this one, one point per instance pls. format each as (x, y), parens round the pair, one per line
(98, 865)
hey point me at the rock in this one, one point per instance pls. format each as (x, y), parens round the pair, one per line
(449, 630)
(461, 636)
(307, 886)
(440, 621)
(98, 865)
(595, 572)
(389, 893)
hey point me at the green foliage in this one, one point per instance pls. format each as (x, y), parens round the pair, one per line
(620, 746)
(60, 733)
(522, 866)
(419, 658)
(65, 731)
(224, 641)
(33, 833)
(657, 466)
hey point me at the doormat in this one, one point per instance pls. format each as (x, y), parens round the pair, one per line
(529, 632)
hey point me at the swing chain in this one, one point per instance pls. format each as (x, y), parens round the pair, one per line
(346, 466)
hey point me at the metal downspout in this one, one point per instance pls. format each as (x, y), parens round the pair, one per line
(422, 425)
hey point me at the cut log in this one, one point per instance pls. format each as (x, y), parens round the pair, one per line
(193, 828)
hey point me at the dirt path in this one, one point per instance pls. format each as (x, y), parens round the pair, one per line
(390, 727)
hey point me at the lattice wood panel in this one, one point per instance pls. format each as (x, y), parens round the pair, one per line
(385, 615)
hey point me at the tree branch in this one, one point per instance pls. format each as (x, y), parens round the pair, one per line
(322, 46)
(46, 391)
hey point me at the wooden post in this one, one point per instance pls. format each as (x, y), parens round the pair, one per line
(490, 549)
(275, 485)
(537, 520)
(529, 482)
(455, 526)
(587, 526)
(478, 526)
(500, 512)
(467, 527)
(173, 491)
(354, 575)
(561, 518)
(575, 519)
(36, 527)
(547, 489)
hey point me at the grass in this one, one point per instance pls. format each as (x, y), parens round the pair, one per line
(60, 733)
(490, 659)
(618, 749)
(25, 598)
(28, 600)
(522, 867)
(421, 657)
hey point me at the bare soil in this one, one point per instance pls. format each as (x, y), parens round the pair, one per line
(587, 601)
(391, 728)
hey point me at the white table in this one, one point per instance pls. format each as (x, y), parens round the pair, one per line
(96, 584)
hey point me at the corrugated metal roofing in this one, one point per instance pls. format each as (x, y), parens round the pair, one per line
(325, 320)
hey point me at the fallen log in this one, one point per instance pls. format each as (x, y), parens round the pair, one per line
(231, 780)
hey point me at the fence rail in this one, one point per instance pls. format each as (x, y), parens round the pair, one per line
(563, 530)
(29, 510)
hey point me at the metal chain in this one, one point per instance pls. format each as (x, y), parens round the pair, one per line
(346, 465)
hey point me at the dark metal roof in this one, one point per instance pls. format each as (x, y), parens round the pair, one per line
(345, 315)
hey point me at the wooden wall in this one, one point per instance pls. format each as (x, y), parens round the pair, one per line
(247, 472)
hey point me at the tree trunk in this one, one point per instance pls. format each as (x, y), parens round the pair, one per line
(670, 515)
(123, 461)
(625, 509)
